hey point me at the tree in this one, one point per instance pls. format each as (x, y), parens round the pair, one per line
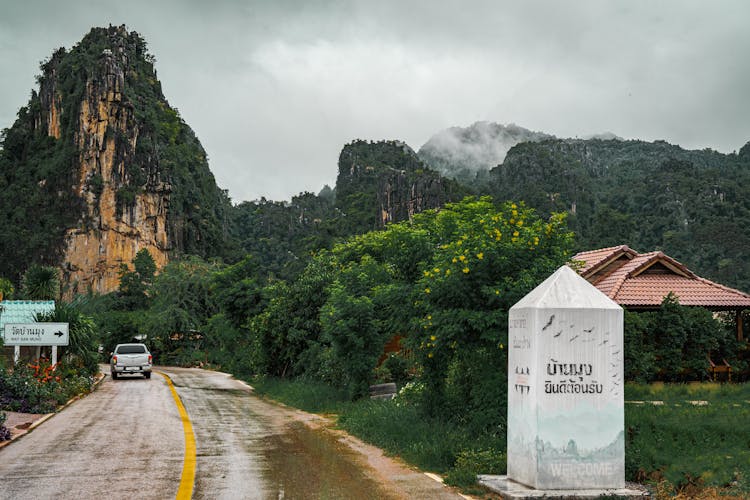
(181, 304)
(41, 283)
(135, 284)
(486, 258)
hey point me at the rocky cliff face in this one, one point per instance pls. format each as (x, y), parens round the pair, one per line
(384, 182)
(110, 167)
(400, 195)
(121, 215)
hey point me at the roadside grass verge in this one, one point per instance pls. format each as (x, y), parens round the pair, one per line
(676, 447)
(397, 427)
(307, 395)
(690, 447)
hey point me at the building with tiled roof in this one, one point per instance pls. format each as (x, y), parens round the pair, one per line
(642, 280)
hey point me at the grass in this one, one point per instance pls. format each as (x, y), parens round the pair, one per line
(400, 429)
(676, 446)
(310, 396)
(696, 391)
(689, 446)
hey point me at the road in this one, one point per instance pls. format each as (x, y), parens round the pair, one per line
(126, 440)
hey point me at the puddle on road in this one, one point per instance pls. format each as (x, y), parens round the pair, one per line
(309, 463)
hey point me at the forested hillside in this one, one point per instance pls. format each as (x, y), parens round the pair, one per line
(693, 205)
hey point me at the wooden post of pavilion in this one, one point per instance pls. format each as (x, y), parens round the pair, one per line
(740, 332)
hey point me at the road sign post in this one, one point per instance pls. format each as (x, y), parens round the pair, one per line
(38, 335)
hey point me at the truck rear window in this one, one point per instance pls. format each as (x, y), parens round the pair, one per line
(131, 349)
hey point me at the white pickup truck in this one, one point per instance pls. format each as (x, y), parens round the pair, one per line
(130, 359)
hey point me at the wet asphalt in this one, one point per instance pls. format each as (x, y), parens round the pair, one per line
(126, 440)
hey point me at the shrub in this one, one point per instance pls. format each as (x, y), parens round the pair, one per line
(34, 388)
(471, 463)
(4, 431)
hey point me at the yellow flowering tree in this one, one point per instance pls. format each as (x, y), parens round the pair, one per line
(486, 258)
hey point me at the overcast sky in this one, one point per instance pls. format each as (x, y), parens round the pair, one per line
(275, 89)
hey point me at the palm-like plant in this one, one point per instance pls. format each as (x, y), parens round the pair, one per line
(41, 283)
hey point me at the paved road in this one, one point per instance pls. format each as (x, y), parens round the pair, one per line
(126, 440)
(123, 441)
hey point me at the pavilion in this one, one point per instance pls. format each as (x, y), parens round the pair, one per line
(640, 281)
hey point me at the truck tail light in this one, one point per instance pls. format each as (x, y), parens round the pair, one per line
(150, 358)
(114, 359)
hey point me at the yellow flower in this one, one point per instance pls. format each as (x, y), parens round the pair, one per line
(481, 221)
(433, 338)
(427, 274)
(447, 272)
(536, 240)
(430, 355)
(429, 316)
(512, 221)
(500, 345)
(437, 269)
(480, 255)
(514, 212)
(520, 223)
(426, 290)
(465, 270)
(497, 292)
(462, 258)
(513, 205)
(454, 260)
(515, 234)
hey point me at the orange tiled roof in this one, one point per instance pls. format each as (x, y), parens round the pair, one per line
(643, 280)
(595, 258)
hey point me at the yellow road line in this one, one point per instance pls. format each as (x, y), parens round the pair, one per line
(185, 491)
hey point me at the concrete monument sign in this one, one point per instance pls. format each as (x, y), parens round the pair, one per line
(565, 387)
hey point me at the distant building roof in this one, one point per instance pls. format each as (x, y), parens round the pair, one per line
(643, 280)
(23, 311)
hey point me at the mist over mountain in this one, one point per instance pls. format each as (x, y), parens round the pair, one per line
(462, 152)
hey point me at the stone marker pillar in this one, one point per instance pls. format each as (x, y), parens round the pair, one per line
(565, 387)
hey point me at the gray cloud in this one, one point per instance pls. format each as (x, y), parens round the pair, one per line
(275, 89)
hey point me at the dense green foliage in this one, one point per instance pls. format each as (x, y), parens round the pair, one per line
(693, 205)
(675, 342)
(281, 236)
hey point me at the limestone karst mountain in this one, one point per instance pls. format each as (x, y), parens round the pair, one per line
(98, 166)
(385, 181)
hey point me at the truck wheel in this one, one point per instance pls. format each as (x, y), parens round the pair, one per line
(114, 375)
(147, 374)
